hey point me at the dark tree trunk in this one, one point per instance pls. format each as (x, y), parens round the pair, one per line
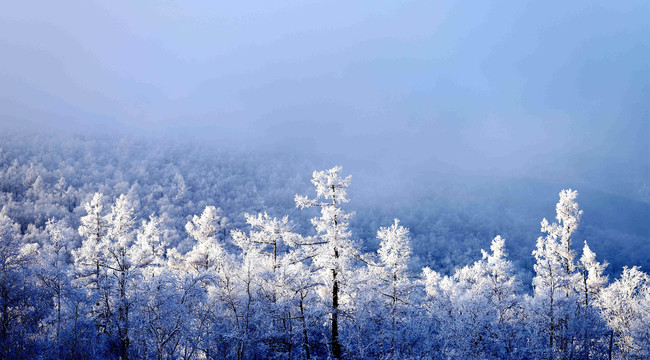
(336, 346)
(304, 330)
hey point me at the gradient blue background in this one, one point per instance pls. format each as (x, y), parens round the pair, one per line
(553, 90)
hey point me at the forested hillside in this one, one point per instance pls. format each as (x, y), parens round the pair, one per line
(132, 248)
(450, 217)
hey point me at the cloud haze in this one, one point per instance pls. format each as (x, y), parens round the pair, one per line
(553, 89)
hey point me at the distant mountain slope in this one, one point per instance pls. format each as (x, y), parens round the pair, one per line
(450, 217)
(455, 219)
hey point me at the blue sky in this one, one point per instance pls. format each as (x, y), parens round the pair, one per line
(480, 87)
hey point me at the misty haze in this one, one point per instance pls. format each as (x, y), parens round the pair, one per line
(324, 180)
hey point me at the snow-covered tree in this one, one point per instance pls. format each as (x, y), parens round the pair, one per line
(114, 253)
(478, 307)
(266, 239)
(18, 297)
(284, 300)
(589, 320)
(394, 254)
(333, 249)
(568, 217)
(88, 258)
(555, 275)
(224, 307)
(149, 247)
(54, 273)
(626, 305)
(90, 261)
(207, 230)
(504, 299)
(393, 288)
(592, 279)
(120, 267)
(267, 251)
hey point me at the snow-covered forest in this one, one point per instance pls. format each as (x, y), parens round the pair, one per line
(128, 249)
(317, 179)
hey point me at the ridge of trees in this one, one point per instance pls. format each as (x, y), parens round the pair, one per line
(111, 285)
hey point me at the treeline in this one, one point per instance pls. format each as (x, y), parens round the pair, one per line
(449, 219)
(110, 285)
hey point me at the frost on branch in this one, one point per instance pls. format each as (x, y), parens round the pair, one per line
(206, 229)
(335, 250)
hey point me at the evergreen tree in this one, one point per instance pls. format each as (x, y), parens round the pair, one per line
(120, 268)
(266, 256)
(207, 230)
(394, 288)
(590, 321)
(19, 298)
(88, 258)
(54, 273)
(333, 249)
(626, 305)
(558, 314)
(478, 307)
